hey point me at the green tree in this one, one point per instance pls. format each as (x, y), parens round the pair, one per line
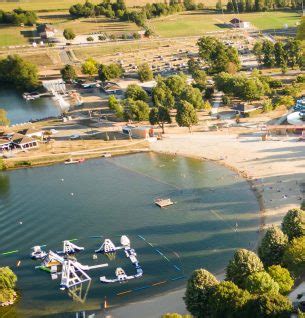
(90, 67)
(293, 224)
(162, 95)
(68, 73)
(280, 54)
(301, 30)
(267, 106)
(243, 264)
(227, 300)
(145, 73)
(7, 284)
(261, 283)
(193, 96)
(272, 246)
(160, 116)
(207, 106)
(136, 110)
(176, 84)
(69, 34)
(268, 306)
(19, 73)
(4, 121)
(282, 277)
(268, 53)
(198, 290)
(136, 92)
(186, 115)
(294, 256)
(258, 51)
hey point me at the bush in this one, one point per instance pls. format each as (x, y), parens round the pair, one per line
(69, 34)
(293, 224)
(243, 264)
(101, 37)
(282, 277)
(145, 73)
(267, 106)
(272, 246)
(198, 290)
(261, 283)
(301, 78)
(90, 39)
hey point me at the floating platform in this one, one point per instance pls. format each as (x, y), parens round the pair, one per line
(162, 203)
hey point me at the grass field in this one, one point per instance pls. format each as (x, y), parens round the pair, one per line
(38, 5)
(97, 52)
(11, 35)
(198, 23)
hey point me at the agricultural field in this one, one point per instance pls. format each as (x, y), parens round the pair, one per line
(51, 5)
(13, 35)
(198, 23)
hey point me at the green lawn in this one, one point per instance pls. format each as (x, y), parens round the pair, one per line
(198, 23)
(11, 35)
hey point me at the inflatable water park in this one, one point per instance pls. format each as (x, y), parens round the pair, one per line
(63, 264)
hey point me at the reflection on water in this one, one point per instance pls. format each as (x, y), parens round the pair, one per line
(114, 197)
(4, 185)
(20, 110)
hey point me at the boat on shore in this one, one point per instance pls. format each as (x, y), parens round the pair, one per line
(74, 161)
(30, 96)
(162, 203)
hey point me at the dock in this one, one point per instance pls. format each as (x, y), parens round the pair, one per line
(162, 203)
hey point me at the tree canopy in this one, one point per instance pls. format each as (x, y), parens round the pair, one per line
(69, 34)
(7, 284)
(19, 73)
(90, 67)
(135, 110)
(268, 306)
(281, 276)
(111, 71)
(68, 73)
(159, 116)
(243, 264)
(261, 283)
(136, 92)
(198, 289)
(293, 224)
(227, 300)
(273, 244)
(145, 73)
(218, 56)
(294, 256)
(18, 16)
(186, 115)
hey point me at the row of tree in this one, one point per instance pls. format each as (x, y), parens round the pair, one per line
(17, 17)
(119, 10)
(242, 86)
(17, 72)
(279, 54)
(255, 286)
(260, 5)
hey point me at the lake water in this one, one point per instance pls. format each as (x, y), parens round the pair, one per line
(115, 196)
(19, 110)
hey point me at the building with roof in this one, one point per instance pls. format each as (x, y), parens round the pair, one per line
(23, 142)
(237, 23)
(139, 132)
(4, 145)
(46, 31)
(112, 88)
(245, 108)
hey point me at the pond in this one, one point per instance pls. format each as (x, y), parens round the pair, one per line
(20, 111)
(214, 213)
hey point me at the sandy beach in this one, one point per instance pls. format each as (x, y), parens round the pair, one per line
(274, 168)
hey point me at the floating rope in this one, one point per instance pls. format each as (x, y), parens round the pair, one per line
(10, 252)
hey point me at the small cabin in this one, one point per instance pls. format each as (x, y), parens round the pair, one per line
(46, 31)
(112, 88)
(245, 108)
(140, 132)
(31, 132)
(4, 145)
(237, 23)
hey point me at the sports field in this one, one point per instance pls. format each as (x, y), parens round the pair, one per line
(198, 23)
